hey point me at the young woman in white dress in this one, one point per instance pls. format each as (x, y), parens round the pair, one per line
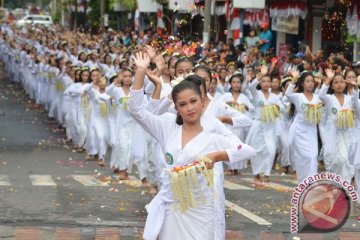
(303, 133)
(340, 144)
(262, 135)
(184, 142)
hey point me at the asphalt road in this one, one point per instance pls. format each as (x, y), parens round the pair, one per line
(47, 191)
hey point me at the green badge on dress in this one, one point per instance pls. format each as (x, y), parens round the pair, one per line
(303, 106)
(334, 110)
(261, 103)
(169, 158)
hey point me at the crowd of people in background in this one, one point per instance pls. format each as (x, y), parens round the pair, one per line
(301, 112)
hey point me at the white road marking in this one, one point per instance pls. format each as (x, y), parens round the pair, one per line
(235, 186)
(88, 181)
(4, 180)
(42, 180)
(247, 213)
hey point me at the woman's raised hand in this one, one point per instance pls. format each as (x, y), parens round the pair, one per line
(141, 60)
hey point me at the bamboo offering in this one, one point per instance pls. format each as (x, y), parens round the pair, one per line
(345, 118)
(313, 112)
(269, 113)
(184, 184)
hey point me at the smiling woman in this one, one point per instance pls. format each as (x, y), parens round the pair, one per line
(184, 143)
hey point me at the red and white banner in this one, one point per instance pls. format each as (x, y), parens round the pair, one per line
(160, 22)
(288, 9)
(235, 25)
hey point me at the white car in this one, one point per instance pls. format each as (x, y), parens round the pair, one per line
(35, 19)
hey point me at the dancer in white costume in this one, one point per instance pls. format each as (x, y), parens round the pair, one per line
(239, 101)
(262, 135)
(79, 107)
(90, 143)
(100, 118)
(184, 144)
(123, 125)
(340, 144)
(303, 131)
(212, 112)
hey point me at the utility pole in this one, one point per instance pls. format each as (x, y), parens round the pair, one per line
(207, 21)
(63, 13)
(102, 12)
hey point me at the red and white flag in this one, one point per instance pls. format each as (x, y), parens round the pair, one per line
(160, 22)
(235, 25)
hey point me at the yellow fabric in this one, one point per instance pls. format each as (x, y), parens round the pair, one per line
(184, 183)
(103, 109)
(269, 113)
(84, 101)
(124, 103)
(313, 113)
(51, 75)
(345, 118)
(59, 85)
(239, 107)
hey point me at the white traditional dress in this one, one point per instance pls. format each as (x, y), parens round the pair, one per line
(303, 134)
(339, 144)
(262, 135)
(164, 221)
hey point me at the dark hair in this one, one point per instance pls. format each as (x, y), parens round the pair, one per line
(91, 72)
(331, 90)
(184, 85)
(198, 81)
(238, 75)
(77, 79)
(84, 70)
(349, 70)
(172, 58)
(258, 87)
(203, 68)
(300, 89)
(181, 60)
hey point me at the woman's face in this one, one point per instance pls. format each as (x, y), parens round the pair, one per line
(265, 83)
(275, 84)
(189, 105)
(85, 77)
(82, 57)
(95, 77)
(222, 74)
(183, 68)
(309, 84)
(126, 78)
(338, 84)
(108, 60)
(236, 84)
(231, 70)
(205, 76)
(350, 76)
(213, 85)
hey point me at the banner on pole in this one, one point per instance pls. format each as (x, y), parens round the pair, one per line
(147, 5)
(247, 4)
(285, 24)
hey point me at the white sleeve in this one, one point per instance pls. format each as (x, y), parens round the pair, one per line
(325, 98)
(156, 126)
(236, 150)
(292, 97)
(239, 119)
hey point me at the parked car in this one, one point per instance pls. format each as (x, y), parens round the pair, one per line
(36, 19)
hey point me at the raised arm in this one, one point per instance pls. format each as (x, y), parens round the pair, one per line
(154, 125)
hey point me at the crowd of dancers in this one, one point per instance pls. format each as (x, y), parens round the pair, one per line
(159, 107)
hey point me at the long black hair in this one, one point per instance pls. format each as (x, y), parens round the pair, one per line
(198, 81)
(237, 75)
(300, 88)
(184, 85)
(331, 90)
